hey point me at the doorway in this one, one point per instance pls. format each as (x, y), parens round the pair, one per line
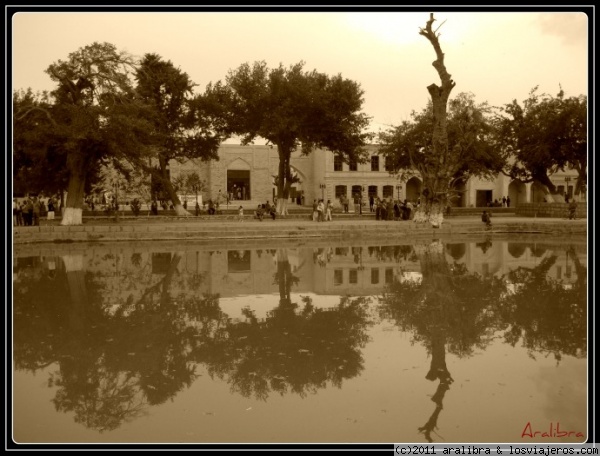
(238, 184)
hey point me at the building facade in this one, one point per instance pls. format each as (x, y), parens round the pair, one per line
(247, 175)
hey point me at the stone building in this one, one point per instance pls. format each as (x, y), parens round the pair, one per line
(247, 174)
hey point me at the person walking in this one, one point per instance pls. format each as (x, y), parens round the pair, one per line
(572, 209)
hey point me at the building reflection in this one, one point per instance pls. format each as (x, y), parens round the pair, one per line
(122, 329)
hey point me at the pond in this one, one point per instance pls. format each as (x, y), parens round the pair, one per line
(472, 341)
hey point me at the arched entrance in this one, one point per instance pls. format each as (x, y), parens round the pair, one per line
(297, 188)
(238, 180)
(414, 187)
(538, 193)
(457, 194)
(517, 192)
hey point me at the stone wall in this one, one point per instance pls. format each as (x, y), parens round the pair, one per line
(554, 210)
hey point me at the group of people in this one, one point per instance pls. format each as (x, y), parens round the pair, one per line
(322, 211)
(29, 211)
(238, 193)
(260, 212)
(388, 209)
(504, 202)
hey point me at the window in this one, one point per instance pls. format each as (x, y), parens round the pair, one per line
(337, 163)
(341, 251)
(389, 275)
(375, 163)
(388, 164)
(353, 165)
(374, 276)
(353, 278)
(372, 191)
(340, 190)
(388, 191)
(338, 276)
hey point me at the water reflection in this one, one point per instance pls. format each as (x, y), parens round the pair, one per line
(454, 310)
(122, 330)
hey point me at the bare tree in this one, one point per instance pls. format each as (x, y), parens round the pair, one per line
(437, 170)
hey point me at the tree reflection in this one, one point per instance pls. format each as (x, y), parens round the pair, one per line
(112, 360)
(295, 349)
(547, 315)
(450, 310)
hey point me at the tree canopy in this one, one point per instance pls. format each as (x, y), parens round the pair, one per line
(292, 109)
(92, 117)
(408, 148)
(544, 135)
(182, 127)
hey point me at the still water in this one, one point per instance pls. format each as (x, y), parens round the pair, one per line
(472, 342)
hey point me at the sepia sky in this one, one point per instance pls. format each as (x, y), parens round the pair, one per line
(498, 56)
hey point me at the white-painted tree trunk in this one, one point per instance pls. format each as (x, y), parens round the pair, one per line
(180, 211)
(72, 216)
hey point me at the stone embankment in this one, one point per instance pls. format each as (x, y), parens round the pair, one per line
(141, 229)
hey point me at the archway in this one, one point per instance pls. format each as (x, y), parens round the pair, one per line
(414, 187)
(458, 191)
(517, 192)
(538, 192)
(238, 180)
(297, 188)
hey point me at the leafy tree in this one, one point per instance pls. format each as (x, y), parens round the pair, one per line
(94, 115)
(39, 160)
(292, 109)
(182, 126)
(471, 150)
(544, 135)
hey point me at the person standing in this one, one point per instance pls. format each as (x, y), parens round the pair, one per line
(485, 218)
(371, 201)
(504, 201)
(356, 203)
(320, 211)
(328, 210)
(240, 214)
(50, 209)
(508, 201)
(315, 214)
(19, 214)
(37, 209)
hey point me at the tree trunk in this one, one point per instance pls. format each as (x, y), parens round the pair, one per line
(77, 290)
(168, 186)
(73, 213)
(283, 179)
(438, 172)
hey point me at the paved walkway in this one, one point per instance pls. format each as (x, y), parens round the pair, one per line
(172, 228)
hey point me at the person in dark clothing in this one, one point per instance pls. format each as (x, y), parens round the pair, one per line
(486, 218)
